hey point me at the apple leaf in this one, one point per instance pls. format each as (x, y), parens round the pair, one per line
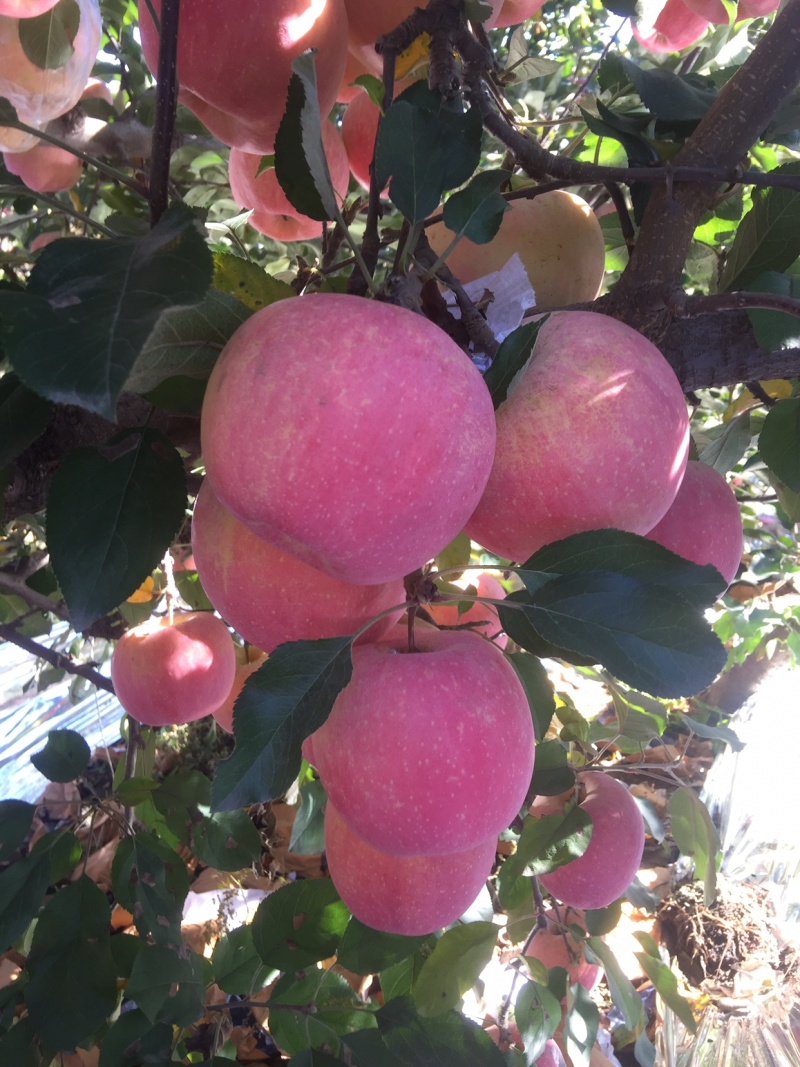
(16, 817)
(235, 964)
(308, 837)
(550, 841)
(538, 689)
(248, 282)
(671, 97)
(512, 355)
(448, 1040)
(151, 881)
(316, 1008)
(622, 992)
(284, 701)
(696, 837)
(667, 988)
(23, 418)
(133, 1030)
(64, 756)
(367, 951)
(299, 924)
(779, 442)
(74, 335)
(167, 987)
(581, 1023)
(551, 773)
(476, 211)
(454, 966)
(48, 40)
(22, 886)
(111, 515)
(774, 329)
(537, 1013)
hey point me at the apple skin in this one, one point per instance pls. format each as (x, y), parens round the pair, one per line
(411, 752)
(269, 596)
(607, 867)
(45, 168)
(169, 674)
(714, 10)
(514, 12)
(557, 237)
(486, 614)
(594, 434)
(363, 455)
(273, 214)
(359, 127)
(245, 666)
(703, 523)
(42, 240)
(549, 946)
(754, 9)
(234, 72)
(25, 9)
(410, 895)
(675, 28)
(354, 67)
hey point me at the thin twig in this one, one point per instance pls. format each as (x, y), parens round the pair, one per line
(16, 584)
(166, 105)
(59, 660)
(689, 306)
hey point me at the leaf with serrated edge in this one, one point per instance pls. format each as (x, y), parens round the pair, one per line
(667, 988)
(537, 1013)
(622, 992)
(512, 355)
(768, 237)
(453, 967)
(551, 841)
(696, 836)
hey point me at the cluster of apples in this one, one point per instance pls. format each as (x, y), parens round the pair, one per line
(677, 24)
(41, 94)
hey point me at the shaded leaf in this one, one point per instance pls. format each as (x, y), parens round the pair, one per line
(669, 96)
(315, 1009)
(23, 418)
(236, 965)
(768, 237)
(151, 881)
(600, 921)
(22, 886)
(581, 1024)
(714, 733)
(167, 987)
(64, 757)
(537, 1013)
(725, 451)
(449, 1040)
(366, 951)
(16, 817)
(696, 837)
(512, 355)
(538, 689)
(551, 841)
(48, 40)
(454, 966)
(551, 773)
(308, 827)
(773, 329)
(299, 924)
(476, 211)
(667, 988)
(227, 840)
(621, 989)
(519, 629)
(133, 1040)
(779, 442)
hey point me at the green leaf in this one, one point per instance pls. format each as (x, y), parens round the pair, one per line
(581, 1023)
(16, 817)
(476, 211)
(779, 442)
(133, 1040)
(315, 1009)
(538, 689)
(454, 967)
(236, 966)
(398, 979)
(134, 791)
(774, 329)
(448, 1040)
(314, 1057)
(520, 66)
(75, 333)
(48, 40)
(725, 451)
(671, 97)
(72, 987)
(646, 635)
(187, 341)
(714, 733)
(228, 841)
(667, 988)
(601, 921)
(550, 841)
(537, 1013)
(519, 629)
(284, 701)
(622, 992)
(551, 773)
(22, 886)
(369, 1049)
(768, 237)
(300, 164)
(366, 951)
(167, 987)
(308, 836)
(64, 757)
(111, 515)
(23, 418)
(247, 282)
(512, 355)
(299, 924)
(178, 798)
(63, 850)
(696, 837)
(151, 881)
(18, 1046)
(622, 129)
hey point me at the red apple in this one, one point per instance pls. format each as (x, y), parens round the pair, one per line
(556, 947)
(674, 28)
(703, 523)
(484, 615)
(42, 240)
(607, 867)
(174, 673)
(25, 9)
(407, 895)
(359, 126)
(427, 752)
(269, 596)
(45, 168)
(248, 660)
(353, 68)
(318, 433)
(273, 215)
(594, 434)
(515, 11)
(235, 71)
(753, 9)
(557, 237)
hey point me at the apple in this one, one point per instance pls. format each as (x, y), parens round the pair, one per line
(25, 9)
(484, 615)
(554, 946)
(41, 95)
(359, 127)
(354, 67)
(674, 28)
(514, 12)
(248, 660)
(273, 215)
(42, 240)
(174, 672)
(427, 752)
(557, 237)
(714, 10)
(753, 9)
(607, 867)
(235, 72)
(408, 895)
(353, 434)
(594, 434)
(269, 596)
(703, 523)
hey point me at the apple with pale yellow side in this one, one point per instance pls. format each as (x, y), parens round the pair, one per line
(267, 595)
(594, 433)
(557, 237)
(318, 433)
(483, 616)
(174, 672)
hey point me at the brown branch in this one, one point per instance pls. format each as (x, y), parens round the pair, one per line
(166, 105)
(690, 306)
(56, 659)
(17, 586)
(618, 199)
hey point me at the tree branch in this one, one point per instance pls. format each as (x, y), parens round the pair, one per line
(56, 659)
(690, 306)
(166, 105)
(17, 586)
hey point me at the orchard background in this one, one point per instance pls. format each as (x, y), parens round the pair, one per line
(688, 155)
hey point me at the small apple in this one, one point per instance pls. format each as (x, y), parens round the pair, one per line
(170, 673)
(411, 752)
(408, 895)
(594, 434)
(557, 237)
(248, 660)
(483, 616)
(318, 433)
(554, 946)
(514, 12)
(674, 28)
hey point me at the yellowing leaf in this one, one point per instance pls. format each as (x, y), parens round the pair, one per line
(777, 388)
(144, 593)
(247, 281)
(414, 56)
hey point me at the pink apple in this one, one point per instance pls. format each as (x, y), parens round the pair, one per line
(45, 168)
(607, 867)
(407, 895)
(174, 673)
(269, 596)
(515, 11)
(42, 240)
(483, 616)
(594, 434)
(25, 9)
(427, 752)
(353, 68)
(273, 215)
(318, 433)
(245, 666)
(674, 28)
(359, 127)
(235, 71)
(557, 237)
(703, 523)
(556, 947)
(753, 9)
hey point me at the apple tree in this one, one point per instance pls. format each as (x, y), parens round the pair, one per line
(367, 371)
